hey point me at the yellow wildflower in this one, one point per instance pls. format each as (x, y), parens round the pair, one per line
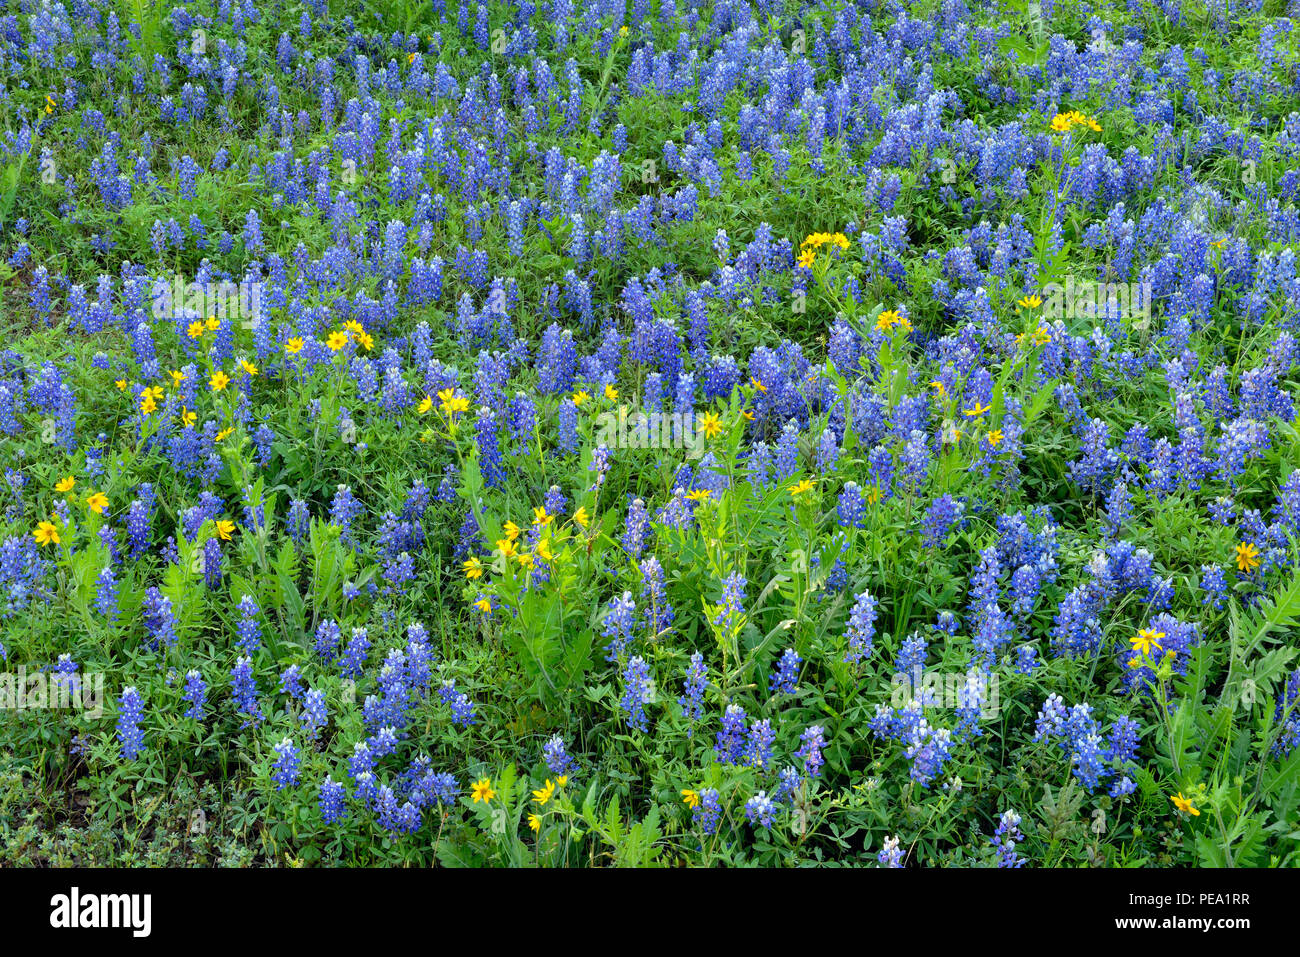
(544, 794)
(1145, 640)
(46, 533)
(1247, 557)
(711, 425)
(1185, 805)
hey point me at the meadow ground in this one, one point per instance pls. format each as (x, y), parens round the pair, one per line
(558, 433)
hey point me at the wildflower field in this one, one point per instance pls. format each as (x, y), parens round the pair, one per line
(591, 432)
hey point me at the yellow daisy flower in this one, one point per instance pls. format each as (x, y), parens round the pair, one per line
(46, 533)
(1247, 557)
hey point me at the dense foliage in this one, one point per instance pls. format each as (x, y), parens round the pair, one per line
(559, 433)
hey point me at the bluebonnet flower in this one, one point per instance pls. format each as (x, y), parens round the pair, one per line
(786, 461)
(568, 426)
(298, 521)
(654, 595)
(354, 654)
(942, 516)
(1079, 736)
(637, 689)
(861, 629)
(557, 758)
(828, 451)
(1026, 582)
(759, 809)
(1214, 584)
(911, 654)
(344, 510)
(291, 682)
(730, 743)
(314, 714)
(929, 750)
(555, 502)
(331, 801)
(850, 508)
(211, 563)
(160, 622)
(692, 699)
(362, 760)
(785, 679)
(600, 465)
(1076, 630)
(788, 782)
(916, 460)
(638, 519)
(287, 765)
(383, 742)
(440, 787)
(326, 644)
(810, 750)
(731, 608)
(891, 855)
(1286, 716)
(880, 463)
(400, 569)
(462, 708)
(106, 595)
(196, 690)
(1005, 839)
(707, 813)
(137, 527)
(758, 743)
(244, 689)
(65, 672)
(405, 819)
(130, 714)
(620, 622)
